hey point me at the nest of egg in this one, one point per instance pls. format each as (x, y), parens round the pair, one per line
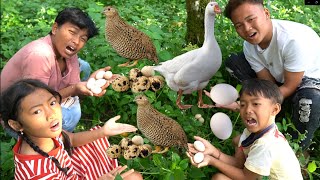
(139, 81)
(130, 148)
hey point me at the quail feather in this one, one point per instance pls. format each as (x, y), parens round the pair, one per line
(126, 40)
(160, 129)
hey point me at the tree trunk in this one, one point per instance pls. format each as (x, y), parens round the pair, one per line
(195, 21)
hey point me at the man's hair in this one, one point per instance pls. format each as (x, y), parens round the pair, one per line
(234, 4)
(79, 18)
(264, 88)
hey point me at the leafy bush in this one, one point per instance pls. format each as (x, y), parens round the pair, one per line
(164, 22)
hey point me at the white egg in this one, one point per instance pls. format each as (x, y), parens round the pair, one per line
(199, 146)
(148, 71)
(90, 83)
(198, 157)
(96, 90)
(100, 74)
(137, 140)
(100, 82)
(201, 120)
(107, 75)
(221, 125)
(224, 94)
(197, 116)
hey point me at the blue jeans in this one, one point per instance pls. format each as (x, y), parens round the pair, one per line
(304, 103)
(85, 69)
(71, 113)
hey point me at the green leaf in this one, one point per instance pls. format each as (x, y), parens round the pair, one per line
(312, 166)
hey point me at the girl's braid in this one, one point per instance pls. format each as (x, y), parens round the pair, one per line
(37, 149)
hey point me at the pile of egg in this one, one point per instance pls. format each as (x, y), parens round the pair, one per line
(96, 83)
(139, 81)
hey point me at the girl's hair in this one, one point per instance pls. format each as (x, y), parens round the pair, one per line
(10, 108)
(264, 88)
(234, 4)
(79, 18)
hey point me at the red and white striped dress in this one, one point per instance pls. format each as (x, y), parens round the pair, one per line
(87, 162)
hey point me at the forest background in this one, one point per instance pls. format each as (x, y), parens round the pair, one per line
(173, 31)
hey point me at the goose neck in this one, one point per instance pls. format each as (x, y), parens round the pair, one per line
(209, 27)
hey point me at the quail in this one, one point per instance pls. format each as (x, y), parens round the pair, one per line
(126, 40)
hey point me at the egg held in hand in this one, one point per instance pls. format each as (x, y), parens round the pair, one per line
(223, 94)
(221, 125)
(198, 145)
(198, 157)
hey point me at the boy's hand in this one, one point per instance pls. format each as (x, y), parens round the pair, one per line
(209, 148)
(112, 128)
(205, 162)
(233, 106)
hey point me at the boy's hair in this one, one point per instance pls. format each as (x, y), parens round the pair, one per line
(234, 4)
(261, 87)
(79, 18)
(11, 98)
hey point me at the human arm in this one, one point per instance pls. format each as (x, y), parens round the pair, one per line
(291, 81)
(214, 152)
(228, 165)
(110, 128)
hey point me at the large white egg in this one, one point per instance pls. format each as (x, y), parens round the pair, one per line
(223, 94)
(221, 125)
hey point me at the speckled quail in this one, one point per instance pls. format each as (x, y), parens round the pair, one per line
(160, 129)
(126, 40)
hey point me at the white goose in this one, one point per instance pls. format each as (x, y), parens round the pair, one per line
(192, 70)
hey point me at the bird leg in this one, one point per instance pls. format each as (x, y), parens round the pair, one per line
(127, 64)
(158, 148)
(200, 101)
(178, 102)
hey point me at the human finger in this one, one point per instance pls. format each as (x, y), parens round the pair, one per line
(100, 94)
(114, 119)
(191, 159)
(191, 148)
(123, 175)
(207, 93)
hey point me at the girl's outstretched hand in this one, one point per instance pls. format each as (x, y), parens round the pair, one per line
(112, 128)
(118, 170)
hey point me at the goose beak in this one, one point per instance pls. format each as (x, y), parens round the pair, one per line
(217, 9)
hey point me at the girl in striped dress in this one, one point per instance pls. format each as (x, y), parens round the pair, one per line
(44, 150)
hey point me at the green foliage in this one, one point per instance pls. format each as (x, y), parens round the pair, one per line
(164, 22)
